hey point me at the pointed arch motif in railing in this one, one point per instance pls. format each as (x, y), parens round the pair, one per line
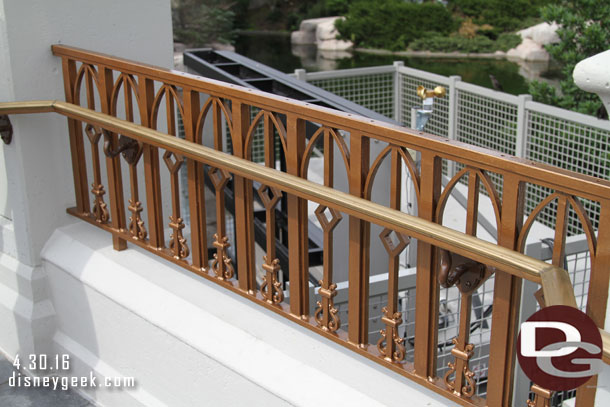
(564, 202)
(270, 123)
(172, 102)
(219, 110)
(89, 74)
(325, 314)
(130, 149)
(406, 159)
(467, 275)
(390, 344)
(222, 265)
(271, 288)
(129, 85)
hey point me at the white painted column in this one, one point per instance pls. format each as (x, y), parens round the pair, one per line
(36, 183)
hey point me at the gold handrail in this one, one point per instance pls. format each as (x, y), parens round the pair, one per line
(555, 281)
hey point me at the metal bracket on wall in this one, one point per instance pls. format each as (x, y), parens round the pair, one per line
(6, 129)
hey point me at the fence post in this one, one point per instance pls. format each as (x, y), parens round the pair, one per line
(398, 92)
(521, 141)
(301, 74)
(452, 124)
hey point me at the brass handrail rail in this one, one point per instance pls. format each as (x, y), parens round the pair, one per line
(556, 284)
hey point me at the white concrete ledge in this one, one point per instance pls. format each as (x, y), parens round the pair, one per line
(184, 339)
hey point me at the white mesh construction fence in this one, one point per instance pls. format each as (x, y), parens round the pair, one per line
(565, 140)
(485, 118)
(487, 122)
(373, 89)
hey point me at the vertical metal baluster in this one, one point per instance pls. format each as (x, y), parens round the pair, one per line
(507, 296)
(136, 223)
(77, 150)
(113, 164)
(298, 258)
(427, 295)
(559, 240)
(244, 204)
(390, 344)
(196, 186)
(597, 297)
(221, 265)
(154, 205)
(463, 383)
(177, 242)
(100, 211)
(359, 239)
(326, 313)
(271, 288)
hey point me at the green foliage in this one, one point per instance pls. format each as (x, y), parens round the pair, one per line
(322, 8)
(441, 43)
(507, 41)
(200, 22)
(504, 15)
(392, 24)
(584, 31)
(479, 44)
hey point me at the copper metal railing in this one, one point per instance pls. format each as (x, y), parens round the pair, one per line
(102, 80)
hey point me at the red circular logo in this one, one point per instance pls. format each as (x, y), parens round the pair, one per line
(559, 348)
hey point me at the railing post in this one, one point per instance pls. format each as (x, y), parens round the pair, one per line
(77, 149)
(359, 239)
(597, 298)
(196, 188)
(301, 74)
(113, 164)
(298, 257)
(244, 206)
(151, 168)
(506, 302)
(427, 286)
(398, 91)
(453, 113)
(521, 140)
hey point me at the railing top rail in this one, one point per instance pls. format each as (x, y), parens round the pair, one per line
(564, 114)
(489, 93)
(549, 176)
(424, 75)
(346, 73)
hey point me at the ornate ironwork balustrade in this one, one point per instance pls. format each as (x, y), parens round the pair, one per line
(114, 107)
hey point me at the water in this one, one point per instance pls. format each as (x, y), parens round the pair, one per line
(277, 52)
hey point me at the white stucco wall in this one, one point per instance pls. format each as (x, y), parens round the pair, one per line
(36, 183)
(37, 163)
